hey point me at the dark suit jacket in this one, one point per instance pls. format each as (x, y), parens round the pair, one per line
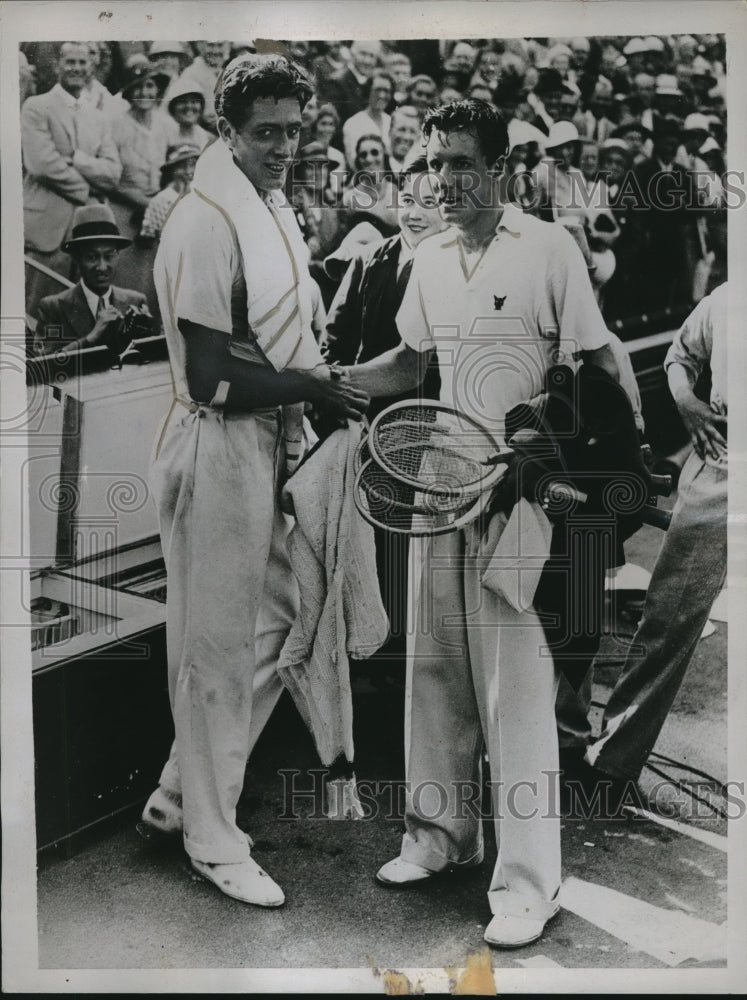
(347, 95)
(66, 317)
(361, 323)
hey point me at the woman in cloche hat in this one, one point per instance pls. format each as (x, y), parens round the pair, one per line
(142, 141)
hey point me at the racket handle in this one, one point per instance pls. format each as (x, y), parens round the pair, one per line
(565, 490)
(656, 517)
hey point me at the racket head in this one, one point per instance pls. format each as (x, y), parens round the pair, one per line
(387, 503)
(431, 446)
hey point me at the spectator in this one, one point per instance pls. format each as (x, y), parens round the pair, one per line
(94, 92)
(362, 325)
(399, 68)
(327, 64)
(26, 77)
(462, 58)
(666, 221)
(324, 130)
(318, 220)
(204, 71)
(635, 53)
(373, 120)
(557, 181)
(545, 99)
(142, 142)
(695, 131)
(596, 122)
(668, 100)
(176, 179)
(644, 87)
(186, 104)
(403, 134)
(516, 184)
(690, 569)
(634, 133)
(488, 67)
(348, 89)
(70, 159)
(559, 57)
(89, 313)
(372, 195)
(171, 58)
(422, 94)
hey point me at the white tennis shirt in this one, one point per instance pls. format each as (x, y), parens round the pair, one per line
(500, 319)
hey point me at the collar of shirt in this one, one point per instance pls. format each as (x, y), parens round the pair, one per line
(406, 252)
(93, 299)
(512, 220)
(665, 168)
(362, 80)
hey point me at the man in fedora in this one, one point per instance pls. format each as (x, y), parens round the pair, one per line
(69, 157)
(87, 314)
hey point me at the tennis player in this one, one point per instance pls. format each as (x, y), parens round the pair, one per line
(500, 297)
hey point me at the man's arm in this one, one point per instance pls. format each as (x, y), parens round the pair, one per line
(215, 375)
(398, 370)
(689, 351)
(44, 161)
(102, 169)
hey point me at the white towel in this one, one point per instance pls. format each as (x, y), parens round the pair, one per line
(275, 258)
(516, 551)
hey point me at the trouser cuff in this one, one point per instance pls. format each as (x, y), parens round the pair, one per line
(435, 861)
(505, 903)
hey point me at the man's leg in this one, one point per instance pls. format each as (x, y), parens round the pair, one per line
(276, 615)
(688, 576)
(443, 736)
(516, 688)
(218, 524)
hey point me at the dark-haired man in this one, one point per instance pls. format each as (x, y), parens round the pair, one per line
(500, 297)
(237, 301)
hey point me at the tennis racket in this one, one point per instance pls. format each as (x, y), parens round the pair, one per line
(430, 446)
(425, 468)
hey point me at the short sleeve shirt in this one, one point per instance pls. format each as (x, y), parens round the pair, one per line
(199, 277)
(701, 341)
(499, 321)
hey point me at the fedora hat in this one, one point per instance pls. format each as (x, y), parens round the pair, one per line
(94, 223)
(561, 133)
(138, 70)
(177, 154)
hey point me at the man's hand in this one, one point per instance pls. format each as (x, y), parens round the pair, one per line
(102, 331)
(333, 391)
(701, 424)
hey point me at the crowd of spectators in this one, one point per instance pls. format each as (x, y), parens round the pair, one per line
(624, 136)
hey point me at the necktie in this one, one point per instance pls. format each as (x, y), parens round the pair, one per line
(100, 307)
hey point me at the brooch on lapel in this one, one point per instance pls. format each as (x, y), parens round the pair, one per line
(498, 302)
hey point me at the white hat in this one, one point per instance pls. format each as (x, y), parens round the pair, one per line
(520, 133)
(634, 46)
(667, 85)
(560, 134)
(709, 146)
(653, 44)
(696, 123)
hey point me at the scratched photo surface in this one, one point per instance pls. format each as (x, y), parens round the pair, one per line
(621, 188)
